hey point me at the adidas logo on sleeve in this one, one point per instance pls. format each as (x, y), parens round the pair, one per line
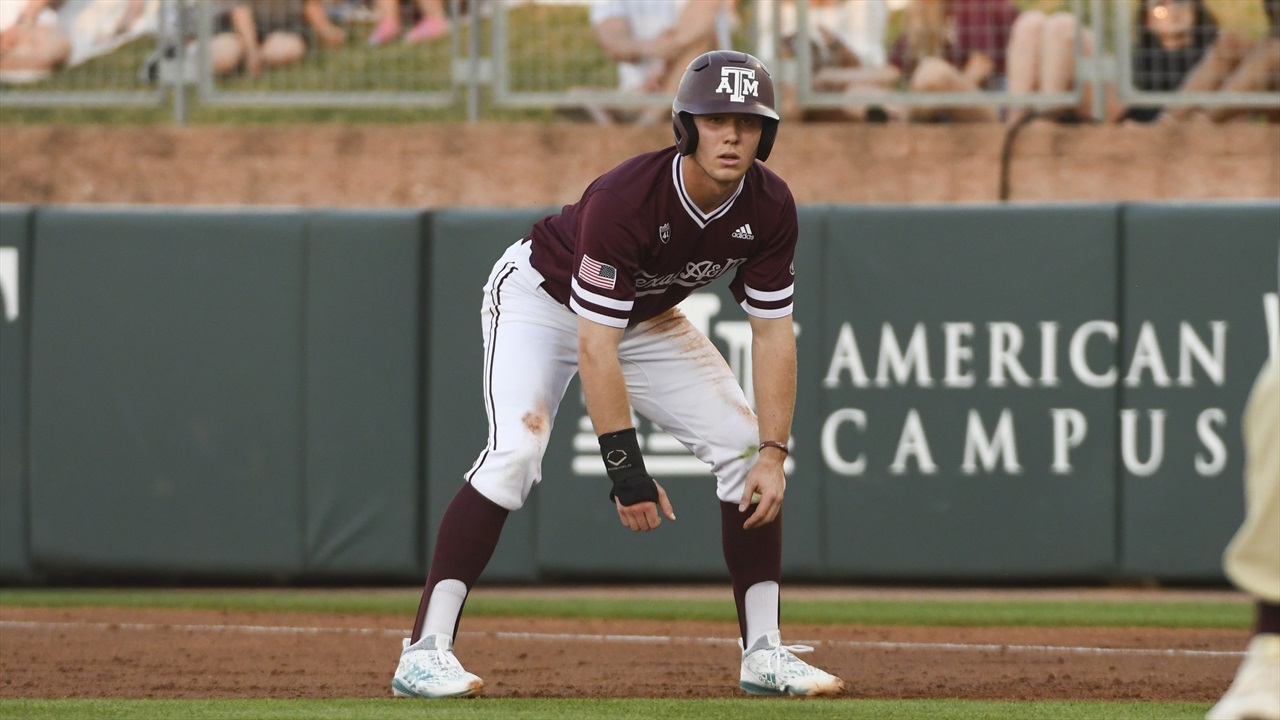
(744, 233)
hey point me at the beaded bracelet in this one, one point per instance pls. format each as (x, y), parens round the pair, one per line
(774, 444)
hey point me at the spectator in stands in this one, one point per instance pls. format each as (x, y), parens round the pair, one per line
(1233, 64)
(955, 46)
(652, 42)
(1173, 37)
(1041, 59)
(257, 35)
(847, 45)
(433, 23)
(32, 45)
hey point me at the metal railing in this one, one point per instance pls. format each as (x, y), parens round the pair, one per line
(522, 54)
(1130, 94)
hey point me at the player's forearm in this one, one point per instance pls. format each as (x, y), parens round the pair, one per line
(773, 360)
(603, 385)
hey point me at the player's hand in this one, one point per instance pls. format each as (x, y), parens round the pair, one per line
(643, 516)
(765, 486)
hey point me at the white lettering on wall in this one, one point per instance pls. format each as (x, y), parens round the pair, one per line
(1070, 427)
(1271, 310)
(1080, 343)
(1217, 459)
(845, 357)
(1214, 363)
(831, 448)
(1006, 344)
(9, 282)
(1146, 356)
(1049, 354)
(913, 443)
(958, 353)
(1001, 446)
(901, 363)
(1129, 442)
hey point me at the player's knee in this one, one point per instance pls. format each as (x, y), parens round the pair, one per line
(507, 475)
(505, 495)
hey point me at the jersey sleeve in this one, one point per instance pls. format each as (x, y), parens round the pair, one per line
(602, 281)
(765, 285)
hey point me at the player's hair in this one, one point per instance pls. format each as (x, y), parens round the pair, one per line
(711, 85)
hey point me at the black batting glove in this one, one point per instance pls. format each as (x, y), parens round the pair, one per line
(631, 482)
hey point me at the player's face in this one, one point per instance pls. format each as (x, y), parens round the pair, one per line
(727, 145)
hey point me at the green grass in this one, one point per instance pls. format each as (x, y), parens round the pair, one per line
(506, 709)
(1175, 614)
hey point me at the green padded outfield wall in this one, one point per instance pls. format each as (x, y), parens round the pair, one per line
(15, 310)
(1198, 296)
(293, 395)
(166, 412)
(464, 245)
(578, 530)
(960, 431)
(364, 312)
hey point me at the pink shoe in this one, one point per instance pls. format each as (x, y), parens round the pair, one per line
(429, 29)
(385, 32)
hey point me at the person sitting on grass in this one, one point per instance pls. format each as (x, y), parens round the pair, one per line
(259, 35)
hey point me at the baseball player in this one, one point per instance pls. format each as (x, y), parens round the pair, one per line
(593, 290)
(1252, 559)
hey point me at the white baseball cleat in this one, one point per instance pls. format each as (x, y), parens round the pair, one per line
(771, 668)
(1255, 693)
(428, 669)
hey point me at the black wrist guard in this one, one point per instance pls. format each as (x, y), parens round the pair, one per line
(622, 460)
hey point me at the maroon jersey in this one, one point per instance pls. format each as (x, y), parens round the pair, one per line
(635, 245)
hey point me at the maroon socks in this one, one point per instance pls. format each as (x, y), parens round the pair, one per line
(468, 535)
(753, 556)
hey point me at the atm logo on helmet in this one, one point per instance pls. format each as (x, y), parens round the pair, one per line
(738, 82)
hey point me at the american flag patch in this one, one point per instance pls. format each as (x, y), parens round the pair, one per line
(596, 273)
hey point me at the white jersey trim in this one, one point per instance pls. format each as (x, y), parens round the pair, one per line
(703, 219)
(595, 316)
(763, 296)
(601, 300)
(767, 314)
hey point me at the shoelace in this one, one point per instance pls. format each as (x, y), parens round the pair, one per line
(780, 655)
(446, 660)
(443, 660)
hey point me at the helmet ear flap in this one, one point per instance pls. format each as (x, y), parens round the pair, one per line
(768, 134)
(686, 132)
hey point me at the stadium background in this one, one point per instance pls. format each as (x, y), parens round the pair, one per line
(281, 395)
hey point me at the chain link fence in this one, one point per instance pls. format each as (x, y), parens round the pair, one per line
(875, 60)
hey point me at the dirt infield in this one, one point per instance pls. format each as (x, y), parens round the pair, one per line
(98, 653)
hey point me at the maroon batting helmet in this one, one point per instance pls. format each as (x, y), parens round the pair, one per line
(724, 81)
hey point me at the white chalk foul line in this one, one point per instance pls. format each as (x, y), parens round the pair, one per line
(972, 647)
(653, 639)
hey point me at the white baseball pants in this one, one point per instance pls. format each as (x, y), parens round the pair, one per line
(675, 377)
